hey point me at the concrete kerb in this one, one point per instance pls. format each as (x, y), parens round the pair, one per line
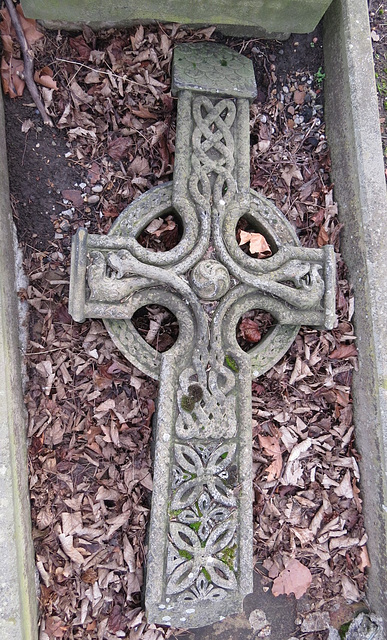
(353, 129)
(18, 597)
(354, 138)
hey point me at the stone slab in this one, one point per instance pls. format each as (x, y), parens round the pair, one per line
(18, 598)
(353, 130)
(200, 554)
(263, 17)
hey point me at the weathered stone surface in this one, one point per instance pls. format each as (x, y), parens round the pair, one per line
(18, 598)
(353, 131)
(200, 543)
(264, 16)
(365, 627)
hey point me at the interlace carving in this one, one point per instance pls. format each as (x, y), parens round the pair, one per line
(199, 564)
(188, 557)
(206, 402)
(192, 475)
(202, 531)
(213, 151)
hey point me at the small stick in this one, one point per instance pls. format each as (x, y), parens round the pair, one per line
(28, 63)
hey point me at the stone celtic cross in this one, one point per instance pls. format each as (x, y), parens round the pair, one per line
(200, 561)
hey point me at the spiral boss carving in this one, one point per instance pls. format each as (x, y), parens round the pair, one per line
(199, 565)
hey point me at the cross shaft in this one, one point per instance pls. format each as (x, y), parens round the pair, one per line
(199, 565)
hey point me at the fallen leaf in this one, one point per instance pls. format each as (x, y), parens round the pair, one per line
(90, 576)
(45, 78)
(300, 448)
(344, 489)
(271, 447)
(344, 351)
(299, 97)
(27, 125)
(364, 559)
(350, 590)
(29, 27)
(295, 578)
(79, 45)
(323, 237)
(69, 549)
(250, 330)
(54, 627)
(138, 37)
(79, 96)
(92, 77)
(71, 523)
(94, 173)
(116, 619)
(118, 148)
(143, 112)
(11, 77)
(290, 172)
(293, 474)
(129, 555)
(258, 243)
(154, 225)
(139, 166)
(264, 145)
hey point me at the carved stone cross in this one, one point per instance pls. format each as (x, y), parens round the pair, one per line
(200, 561)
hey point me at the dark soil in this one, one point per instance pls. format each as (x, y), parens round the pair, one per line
(38, 172)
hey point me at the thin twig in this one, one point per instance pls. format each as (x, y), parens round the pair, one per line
(105, 73)
(28, 58)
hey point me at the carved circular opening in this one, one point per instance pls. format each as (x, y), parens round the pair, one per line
(163, 233)
(253, 239)
(252, 327)
(157, 325)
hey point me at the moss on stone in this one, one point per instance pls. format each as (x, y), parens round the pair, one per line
(231, 364)
(187, 403)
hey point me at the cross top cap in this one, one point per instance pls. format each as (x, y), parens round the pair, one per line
(207, 67)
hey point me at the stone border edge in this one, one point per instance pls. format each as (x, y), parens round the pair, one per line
(353, 132)
(18, 596)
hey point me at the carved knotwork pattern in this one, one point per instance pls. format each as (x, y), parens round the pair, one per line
(212, 151)
(206, 402)
(197, 471)
(203, 547)
(200, 535)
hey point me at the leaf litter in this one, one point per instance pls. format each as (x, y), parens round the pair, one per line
(90, 410)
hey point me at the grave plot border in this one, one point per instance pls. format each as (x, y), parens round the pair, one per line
(18, 598)
(353, 131)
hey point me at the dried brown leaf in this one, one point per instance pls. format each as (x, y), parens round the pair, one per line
(350, 590)
(271, 447)
(364, 560)
(344, 351)
(118, 148)
(323, 237)
(295, 578)
(82, 49)
(290, 172)
(258, 243)
(11, 77)
(44, 77)
(54, 627)
(69, 549)
(250, 330)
